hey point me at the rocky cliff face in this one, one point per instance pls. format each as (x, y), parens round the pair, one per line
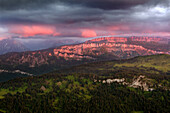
(93, 50)
(145, 39)
(119, 47)
(30, 59)
(109, 39)
(96, 49)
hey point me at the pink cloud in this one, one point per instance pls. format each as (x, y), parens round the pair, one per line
(26, 31)
(88, 33)
(1, 38)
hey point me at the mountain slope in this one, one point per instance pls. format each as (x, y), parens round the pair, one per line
(102, 87)
(11, 45)
(152, 65)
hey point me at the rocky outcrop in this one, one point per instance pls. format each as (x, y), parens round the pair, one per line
(141, 82)
(109, 81)
(42, 88)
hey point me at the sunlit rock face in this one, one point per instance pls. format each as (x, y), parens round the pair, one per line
(96, 49)
(109, 39)
(145, 39)
(116, 47)
(149, 39)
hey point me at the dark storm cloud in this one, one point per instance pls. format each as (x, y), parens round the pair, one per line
(113, 4)
(101, 4)
(23, 4)
(70, 16)
(17, 20)
(53, 14)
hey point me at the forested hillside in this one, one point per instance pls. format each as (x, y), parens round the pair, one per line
(153, 64)
(105, 87)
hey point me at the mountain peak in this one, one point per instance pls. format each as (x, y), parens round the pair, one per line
(11, 45)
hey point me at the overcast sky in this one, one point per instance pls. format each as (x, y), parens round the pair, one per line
(83, 18)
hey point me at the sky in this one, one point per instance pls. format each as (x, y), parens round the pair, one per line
(45, 19)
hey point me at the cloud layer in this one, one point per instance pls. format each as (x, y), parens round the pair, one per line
(83, 18)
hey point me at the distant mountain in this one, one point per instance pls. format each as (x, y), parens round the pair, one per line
(11, 45)
(100, 49)
(38, 44)
(15, 45)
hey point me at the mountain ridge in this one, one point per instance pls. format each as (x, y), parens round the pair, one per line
(43, 61)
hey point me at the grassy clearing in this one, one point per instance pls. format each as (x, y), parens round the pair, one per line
(6, 91)
(3, 92)
(2, 111)
(137, 112)
(71, 77)
(160, 63)
(87, 81)
(132, 89)
(63, 84)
